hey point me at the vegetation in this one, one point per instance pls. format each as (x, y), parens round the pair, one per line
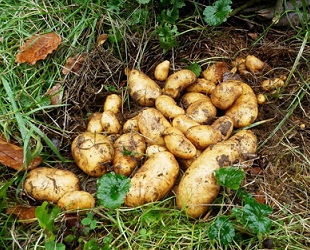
(264, 206)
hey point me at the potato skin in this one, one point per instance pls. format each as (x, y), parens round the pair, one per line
(183, 123)
(113, 103)
(214, 72)
(178, 81)
(254, 64)
(109, 122)
(201, 86)
(202, 111)
(152, 125)
(244, 111)
(168, 107)
(131, 125)
(153, 180)
(191, 97)
(226, 93)
(142, 89)
(92, 153)
(94, 123)
(198, 187)
(162, 71)
(50, 184)
(75, 200)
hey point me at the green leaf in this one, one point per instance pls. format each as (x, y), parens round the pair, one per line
(221, 230)
(92, 244)
(115, 5)
(139, 16)
(46, 215)
(217, 13)
(143, 1)
(115, 36)
(196, 68)
(89, 221)
(230, 177)
(52, 245)
(167, 34)
(112, 189)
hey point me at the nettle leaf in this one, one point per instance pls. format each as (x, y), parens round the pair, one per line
(112, 189)
(221, 230)
(196, 68)
(230, 177)
(217, 13)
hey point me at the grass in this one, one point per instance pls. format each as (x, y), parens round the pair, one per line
(28, 118)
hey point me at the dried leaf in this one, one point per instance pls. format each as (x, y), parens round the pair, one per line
(102, 39)
(37, 48)
(74, 63)
(13, 156)
(25, 214)
(55, 93)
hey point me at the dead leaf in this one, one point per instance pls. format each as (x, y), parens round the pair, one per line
(74, 63)
(260, 197)
(37, 48)
(55, 93)
(24, 213)
(102, 39)
(13, 156)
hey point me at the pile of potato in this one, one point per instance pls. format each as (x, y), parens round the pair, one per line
(187, 122)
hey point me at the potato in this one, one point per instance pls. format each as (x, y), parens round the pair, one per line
(92, 153)
(225, 125)
(272, 84)
(142, 89)
(214, 72)
(178, 144)
(152, 125)
(183, 123)
(128, 148)
(191, 97)
(153, 180)
(244, 111)
(202, 111)
(76, 200)
(226, 93)
(201, 86)
(261, 99)
(178, 81)
(94, 123)
(131, 125)
(50, 184)
(168, 107)
(162, 71)
(153, 149)
(239, 66)
(186, 163)
(110, 123)
(113, 103)
(254, 64)
(198, 187)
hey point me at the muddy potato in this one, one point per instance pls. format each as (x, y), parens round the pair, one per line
(168, 107)
(131, 125)
(198, 187)
(261, 99)
(152, 125)
(92, 153)
(178, 81)
(142, 88)
(272, 84)
(50, 184)
(202, 111)
(113, 103)
(162, 71)
(226, 93)
(178, 144)
(191, 97)
(244, 110)
(76, 200)
(201, 86)
(153, 149)
(254, 64)
(214, 72)
(186, 163)
(225, 125)
(183, 123)
(94, 123)
(154, 179)
(109, 122)
(129, 148)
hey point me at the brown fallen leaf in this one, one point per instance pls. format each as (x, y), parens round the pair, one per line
(55, 93)
(13, 156)
(37, 48)
(102, 39)
(74, 63)
(25, 214)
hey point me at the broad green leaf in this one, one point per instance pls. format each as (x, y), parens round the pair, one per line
(92, 244)
(167, 34)
(196, 68)
(89, 221)
(46, 215)
(112, 189)
(217, 13)
(221, 230)
(52, 245)
(139, 16)
(230, 177)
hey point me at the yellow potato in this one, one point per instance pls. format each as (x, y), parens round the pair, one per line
(254, 64)
(94, 123)
(272, 84)
(153, 180)
(225, 125)
(131, 125)
(76, 200)
(50, 184)
(261, 99)
(178, 81)
(153, 149)
(191, 97)
(244, 110)
(178, 144)
(226, 93)
(183, 123)
(152, 125)
(186, 163)
(142, 89)
(92, 153)
(214, 72)
(113, 103)
(168, 107)
(201, 86)
(162, 71)
(129, 149)
(202, 111)
(198, 188)
(110, 123)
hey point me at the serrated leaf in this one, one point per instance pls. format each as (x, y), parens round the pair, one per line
(217, 13)
(221, 230)
(112, 189)
(230, 177)
(196, 68)
(167, 34)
